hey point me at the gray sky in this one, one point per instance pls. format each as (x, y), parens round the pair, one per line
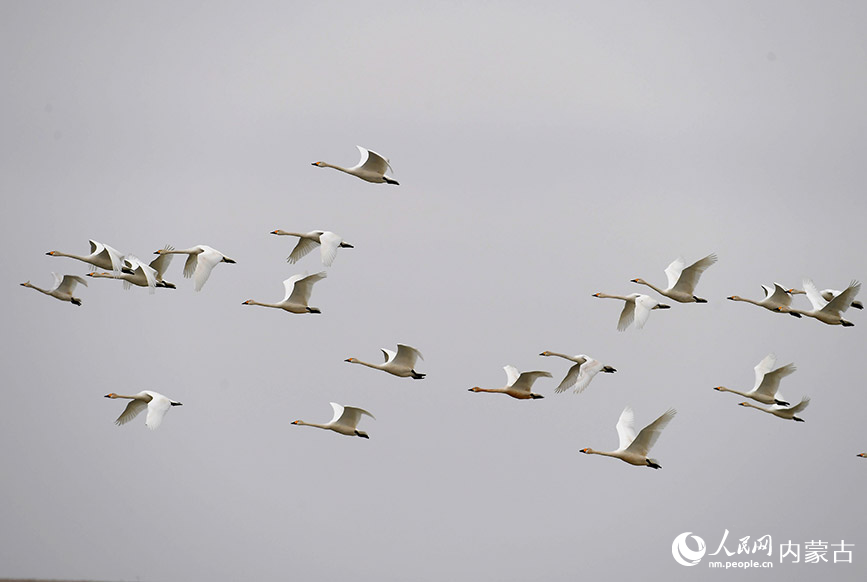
(544, 153)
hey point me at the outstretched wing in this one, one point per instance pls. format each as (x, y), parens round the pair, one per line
(207, 260)
(157, 408)
(526, 379)
(841, 302)
(689, 277)
(303, 287)
(763, 367)
(131, 411)
(302, 248)
(813, 295)
(330, 243)
(406, 356)
(371, 161)
(800, 405)
(626, 428)
(650, 433)
(162, 262)
(643, 305)
(627, 315)
(771, 382)
(68, 282)
(777, 295)
(350, 415)
(673, 271)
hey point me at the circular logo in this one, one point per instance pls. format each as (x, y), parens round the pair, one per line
(683, 554)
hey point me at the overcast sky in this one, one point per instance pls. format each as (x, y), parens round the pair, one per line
(544, 153)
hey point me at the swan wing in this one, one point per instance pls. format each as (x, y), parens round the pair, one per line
(407, 355)
(673, 271)
(190, 265)
(588, 370)
(106, 254)
(289, 284)
(338, 412)
(304, 286)
(330, 243)
(626, 428)
(571, 379)
(371, 161)
(627, 315)
(67, 283)
(777, 295)
(351, 416)
(650, 433)
(813, 295)
(841, 302)
(643, 305)
(148, 272)
(763, 367)
(512, 374)
(689, 276)
(162, 262)
(389, 355)
(302, 248)
(526, 379)
(800, 405)
(157, 408)
(771, 382)
(133, 408)
(207, 260)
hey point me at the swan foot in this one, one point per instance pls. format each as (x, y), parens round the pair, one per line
(699, 300)
(653, 464)
(781, 402)
(390, 181)
(796, 419)
(845, 323)
(417, 376)
(608, 370)
(75, 301)
(535, 396)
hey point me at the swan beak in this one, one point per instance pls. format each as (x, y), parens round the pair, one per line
(348, 360)
(584, 450)
(273, 232)
(717, 388)
(595, 295)
(732, 297)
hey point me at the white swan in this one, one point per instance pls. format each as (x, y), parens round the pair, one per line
(682, 281)
(767, 382)
(370, 168)
(63, 288)
(156, 403)
(298, 289)
(345, 420)
(329, 242)
(137, 273)
(101, 256)
(400, 363)
(518, 384)
(784, 413)
(633, 449)
(775, 297)
(827, 312)
(201, 261)
(637, 308)
(828, 295)
(581, 373)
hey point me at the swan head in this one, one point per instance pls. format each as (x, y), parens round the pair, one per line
(587, 451)
(278, 231)
(720, 388)
(52, 253)
(474, 389)
(298, 422)
(25, 284)
(597, 295)
(248, 302)
(110, 395)
(744, 404)
(351, 360)
(545, 353)
(319, 164)
(638, 280)
(734, 298)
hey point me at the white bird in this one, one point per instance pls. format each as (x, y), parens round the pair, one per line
(581, 373)
(400, 363)
(345, 420)
(156, 403)
(784, 413)
(201, 261)
(328, 241)
(827, 295)
(633, 449)
(518, 384)
(682, 279)
(775, 297)
(370, 168)
(637, 308)
(767, 382)
(827, 312)
(101, 256)
(137, 273)
(63, 288)
(298, 289)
